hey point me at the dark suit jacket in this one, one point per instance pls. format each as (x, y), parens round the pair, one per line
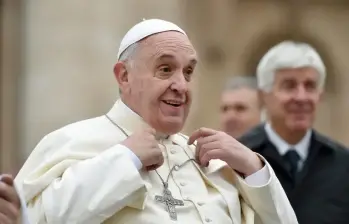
(320, 193)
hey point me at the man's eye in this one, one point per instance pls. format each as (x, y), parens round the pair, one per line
(165, 69)
(289, 85)
(189, 72)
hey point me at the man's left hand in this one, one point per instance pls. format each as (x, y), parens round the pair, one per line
(212, 144)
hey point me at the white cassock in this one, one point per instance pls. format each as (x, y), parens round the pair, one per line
(81, 174)
(24, 219)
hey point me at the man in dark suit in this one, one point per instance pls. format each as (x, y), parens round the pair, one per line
(313, 169)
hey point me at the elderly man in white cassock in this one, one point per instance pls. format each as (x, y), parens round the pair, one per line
(133, 166)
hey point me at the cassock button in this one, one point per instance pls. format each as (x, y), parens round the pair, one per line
(183, 184)
(173, 151)
(176, 167)
(208, 220)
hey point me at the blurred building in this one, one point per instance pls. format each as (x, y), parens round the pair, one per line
(57, 58)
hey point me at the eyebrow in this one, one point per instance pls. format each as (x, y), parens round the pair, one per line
(169, 56)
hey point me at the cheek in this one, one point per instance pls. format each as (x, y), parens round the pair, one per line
(157, 92)
(281, 100)
(315, 100)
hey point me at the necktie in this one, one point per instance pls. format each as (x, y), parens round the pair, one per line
(292, 158)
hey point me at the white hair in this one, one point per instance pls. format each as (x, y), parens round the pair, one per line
(238, 82)
(288, 54)
(128, 54)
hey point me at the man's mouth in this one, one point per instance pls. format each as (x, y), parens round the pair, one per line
(174, 103)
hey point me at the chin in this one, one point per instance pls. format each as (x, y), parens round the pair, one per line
(172, 126)
(299, 125)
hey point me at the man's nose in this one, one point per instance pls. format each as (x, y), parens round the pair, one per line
(232, 116)
(180, 84)
(301, 94)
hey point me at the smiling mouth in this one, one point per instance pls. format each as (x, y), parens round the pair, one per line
(173, 103)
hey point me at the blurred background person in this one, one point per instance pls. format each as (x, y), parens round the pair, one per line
(312, 167)
(240, 107)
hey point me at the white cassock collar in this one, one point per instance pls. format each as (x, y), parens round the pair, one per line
(127, 119)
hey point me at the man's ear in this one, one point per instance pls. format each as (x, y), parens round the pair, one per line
(121, 74)
(322, 95)
(261, 97)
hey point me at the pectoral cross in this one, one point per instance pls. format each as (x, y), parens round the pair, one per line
(170, 202)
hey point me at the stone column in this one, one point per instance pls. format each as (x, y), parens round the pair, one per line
(10, 70)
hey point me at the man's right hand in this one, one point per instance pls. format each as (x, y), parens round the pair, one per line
(9, 201)
(144, 145)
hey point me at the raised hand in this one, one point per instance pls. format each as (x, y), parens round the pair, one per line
(212, 144)
(143, 143)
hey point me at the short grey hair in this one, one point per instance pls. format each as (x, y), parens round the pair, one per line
(288, 54)
(128, 54)
(238, 82)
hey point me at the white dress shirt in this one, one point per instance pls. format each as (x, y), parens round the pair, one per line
(302, 147)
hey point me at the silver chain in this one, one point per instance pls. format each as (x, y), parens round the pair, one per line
(171, 170)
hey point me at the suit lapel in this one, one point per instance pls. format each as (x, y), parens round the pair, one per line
(258, 141)
(313, 152)
(316, 150)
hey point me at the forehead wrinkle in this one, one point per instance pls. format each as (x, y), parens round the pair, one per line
(157, 46)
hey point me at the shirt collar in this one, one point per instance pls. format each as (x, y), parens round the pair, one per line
(302, 147)
(129, 120)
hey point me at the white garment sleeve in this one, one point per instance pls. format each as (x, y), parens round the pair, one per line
(92, 190)
(269, 200)
(24, 212)
(259, 178)
(134, 158)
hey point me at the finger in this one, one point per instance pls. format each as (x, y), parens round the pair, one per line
(8, 209)
(156, 161)
(201, 132)
(150, 130)
(155, 166)
(7, 178)
(212, 154)
(202, 141)
(9, 193)
(197, 150)
(208, 147)
(151, 168)
(161, 161)
(4, 219)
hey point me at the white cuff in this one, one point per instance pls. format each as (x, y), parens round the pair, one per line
(259, 178)
(133, 156)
